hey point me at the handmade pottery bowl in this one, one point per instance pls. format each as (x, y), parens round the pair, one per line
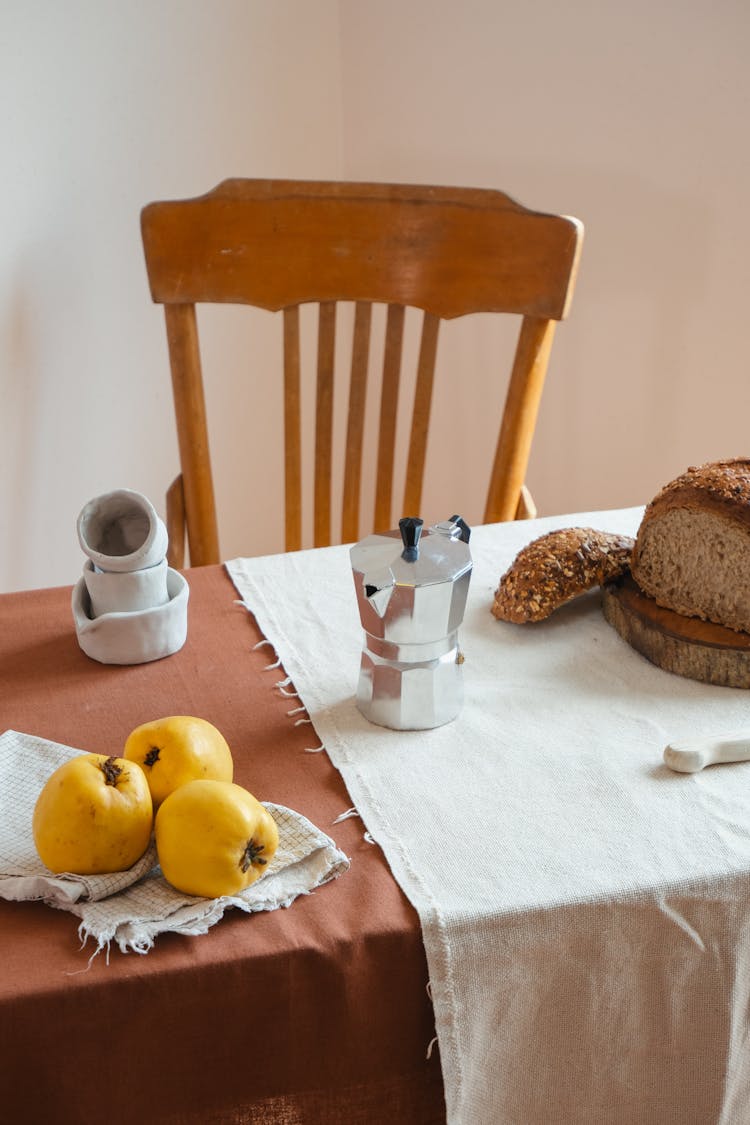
(111, 592)
(135, 637)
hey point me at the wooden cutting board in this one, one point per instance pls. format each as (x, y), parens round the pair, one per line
(686, 646)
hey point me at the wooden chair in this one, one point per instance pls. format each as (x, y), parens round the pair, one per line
(277, 244)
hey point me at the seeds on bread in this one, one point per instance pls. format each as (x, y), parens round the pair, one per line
(558, 567)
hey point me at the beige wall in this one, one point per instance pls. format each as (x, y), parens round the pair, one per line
(632, 117)
(105, 106)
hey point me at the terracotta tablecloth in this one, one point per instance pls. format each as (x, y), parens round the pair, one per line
(318, 1013)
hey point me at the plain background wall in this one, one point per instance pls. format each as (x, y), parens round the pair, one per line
(631, 117)
(107, 105)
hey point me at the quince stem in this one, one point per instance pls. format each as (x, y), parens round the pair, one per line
(251, 856)
(111, 770)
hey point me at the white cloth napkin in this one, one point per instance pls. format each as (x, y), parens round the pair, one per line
(132, 907)
(545, 846)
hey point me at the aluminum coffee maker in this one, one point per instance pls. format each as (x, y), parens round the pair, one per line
(411, 591)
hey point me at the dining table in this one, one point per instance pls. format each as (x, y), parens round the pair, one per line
(538, 923)
(317, 1013)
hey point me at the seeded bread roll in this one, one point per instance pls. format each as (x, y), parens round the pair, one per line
(692, 552)
(558, 567)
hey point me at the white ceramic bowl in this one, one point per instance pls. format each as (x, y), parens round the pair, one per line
(124, 593)
(121, 531)
(136, 637)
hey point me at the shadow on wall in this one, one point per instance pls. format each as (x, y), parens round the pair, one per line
(626, 406)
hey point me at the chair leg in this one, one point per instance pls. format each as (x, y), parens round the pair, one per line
(526, 509)
(176, 523)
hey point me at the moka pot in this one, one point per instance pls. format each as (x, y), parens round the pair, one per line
(411, 588)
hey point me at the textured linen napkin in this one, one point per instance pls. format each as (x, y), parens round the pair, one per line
(584, 910)
(132, 907)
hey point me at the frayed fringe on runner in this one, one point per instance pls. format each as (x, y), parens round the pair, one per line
(300, 711)
(282, 685)
(345, 815)
(260, 644)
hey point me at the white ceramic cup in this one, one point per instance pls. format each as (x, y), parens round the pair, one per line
(136, 637)
(120, 531)
(127, 592)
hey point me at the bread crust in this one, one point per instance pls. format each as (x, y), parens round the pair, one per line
(718, 491)
(557, 567)
(716, 486)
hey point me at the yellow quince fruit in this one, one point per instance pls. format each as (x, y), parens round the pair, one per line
(214, 838)
(94, 814)
(177, 749)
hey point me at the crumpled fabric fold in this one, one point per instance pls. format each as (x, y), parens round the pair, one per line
(131, 908)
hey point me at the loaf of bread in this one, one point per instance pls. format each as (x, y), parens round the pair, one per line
(556, 568)
(692, 552)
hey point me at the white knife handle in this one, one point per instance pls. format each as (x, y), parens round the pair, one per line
(694, 754)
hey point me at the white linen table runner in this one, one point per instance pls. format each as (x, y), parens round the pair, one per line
(585, 911)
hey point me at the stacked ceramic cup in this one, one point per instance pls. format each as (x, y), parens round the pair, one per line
(130, 606)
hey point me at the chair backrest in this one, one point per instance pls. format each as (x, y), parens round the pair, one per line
(279, 244)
